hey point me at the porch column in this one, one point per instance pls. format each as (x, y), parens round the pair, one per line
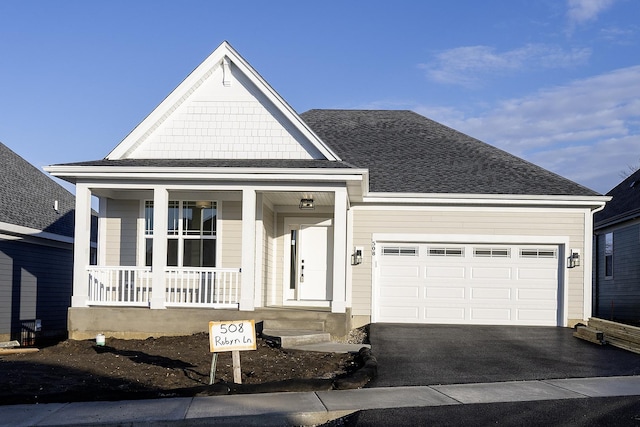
(159, 261)
(259, 253)
(102, 230)
(248, 249)
(81, 246)
(338, 301)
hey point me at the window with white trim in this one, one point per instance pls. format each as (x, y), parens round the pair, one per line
(538, 253)
(608, 255)
(445, 251)
(191, 233)
(400, 251)
(492, 252)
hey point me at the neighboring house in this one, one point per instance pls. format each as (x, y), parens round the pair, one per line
(617, 253)
(225, 203)
(36, 252)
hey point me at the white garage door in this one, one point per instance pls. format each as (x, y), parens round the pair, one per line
(467, 284)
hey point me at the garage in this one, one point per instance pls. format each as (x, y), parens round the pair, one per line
(467, 284)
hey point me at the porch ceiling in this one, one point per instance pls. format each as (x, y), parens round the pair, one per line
(320, 198)
(289, 198)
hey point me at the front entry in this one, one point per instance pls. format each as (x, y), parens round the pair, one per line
(308, 260)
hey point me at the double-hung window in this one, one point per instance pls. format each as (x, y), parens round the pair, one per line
(191, 233)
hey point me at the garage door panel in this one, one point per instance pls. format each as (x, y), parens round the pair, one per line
(476, 285)
(444, 313)
(539, 274)
(445, 292)
(501, 315)
(491, 293)
(400, 292)
(493, 273)
(400, 271)
(445, 272)
(537, 294)
(399, 313)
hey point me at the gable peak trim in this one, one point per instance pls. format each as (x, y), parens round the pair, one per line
(223, 56)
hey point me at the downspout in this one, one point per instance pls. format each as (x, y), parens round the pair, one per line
(593, 283)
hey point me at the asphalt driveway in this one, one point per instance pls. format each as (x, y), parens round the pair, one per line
(414, 355)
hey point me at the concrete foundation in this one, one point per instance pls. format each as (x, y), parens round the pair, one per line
(142, 323)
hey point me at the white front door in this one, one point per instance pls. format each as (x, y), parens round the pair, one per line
(308, 260)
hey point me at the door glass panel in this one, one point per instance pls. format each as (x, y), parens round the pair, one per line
(294, 259)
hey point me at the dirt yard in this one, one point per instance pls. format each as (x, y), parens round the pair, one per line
(161, 367)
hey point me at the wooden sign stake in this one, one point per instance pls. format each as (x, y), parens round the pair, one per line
(237, 372)
(212, 374)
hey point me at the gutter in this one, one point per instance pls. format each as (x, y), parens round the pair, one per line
(18, 230)
(597, 202)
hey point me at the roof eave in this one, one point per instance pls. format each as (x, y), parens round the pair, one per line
(79, 173)
(593, 202)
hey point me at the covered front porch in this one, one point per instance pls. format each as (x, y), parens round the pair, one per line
(231, 247)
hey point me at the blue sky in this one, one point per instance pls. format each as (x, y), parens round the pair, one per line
(556, 82)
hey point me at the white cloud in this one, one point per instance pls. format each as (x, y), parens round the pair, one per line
(597, 165)
(620, 36)
(465, 65)
(587, 130)
(582, 11)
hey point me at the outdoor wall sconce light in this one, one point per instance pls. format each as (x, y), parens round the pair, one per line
(356, 257)
(574, 258)
(306, 204)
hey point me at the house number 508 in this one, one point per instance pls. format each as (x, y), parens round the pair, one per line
(232, 328)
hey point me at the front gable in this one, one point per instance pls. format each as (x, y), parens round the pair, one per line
(223, 110)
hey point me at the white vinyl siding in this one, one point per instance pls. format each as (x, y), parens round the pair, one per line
(268, 257)
(465, 222)
(230, 235)
(121, 234)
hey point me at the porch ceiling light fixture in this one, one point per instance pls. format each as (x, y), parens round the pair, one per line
(306, 204)
(203, 204)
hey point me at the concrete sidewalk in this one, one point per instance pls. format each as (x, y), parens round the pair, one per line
(309, 408)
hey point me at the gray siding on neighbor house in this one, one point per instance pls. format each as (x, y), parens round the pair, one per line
(618, 297)
(35, 283)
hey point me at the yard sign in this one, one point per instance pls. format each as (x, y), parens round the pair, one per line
(233, 336)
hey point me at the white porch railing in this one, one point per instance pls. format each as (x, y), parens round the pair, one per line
(184, 287)
(203, 287)
(119, 286)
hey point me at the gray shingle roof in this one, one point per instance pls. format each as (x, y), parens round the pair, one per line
(404, 153)
(27, 197)
(624, 205)
(409, 153)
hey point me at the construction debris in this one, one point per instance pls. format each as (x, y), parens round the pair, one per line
(9, 344)
(602, 331)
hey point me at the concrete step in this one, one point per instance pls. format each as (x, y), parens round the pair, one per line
(290, 338)
(298, 324)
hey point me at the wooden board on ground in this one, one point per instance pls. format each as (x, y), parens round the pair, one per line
(589, 334)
